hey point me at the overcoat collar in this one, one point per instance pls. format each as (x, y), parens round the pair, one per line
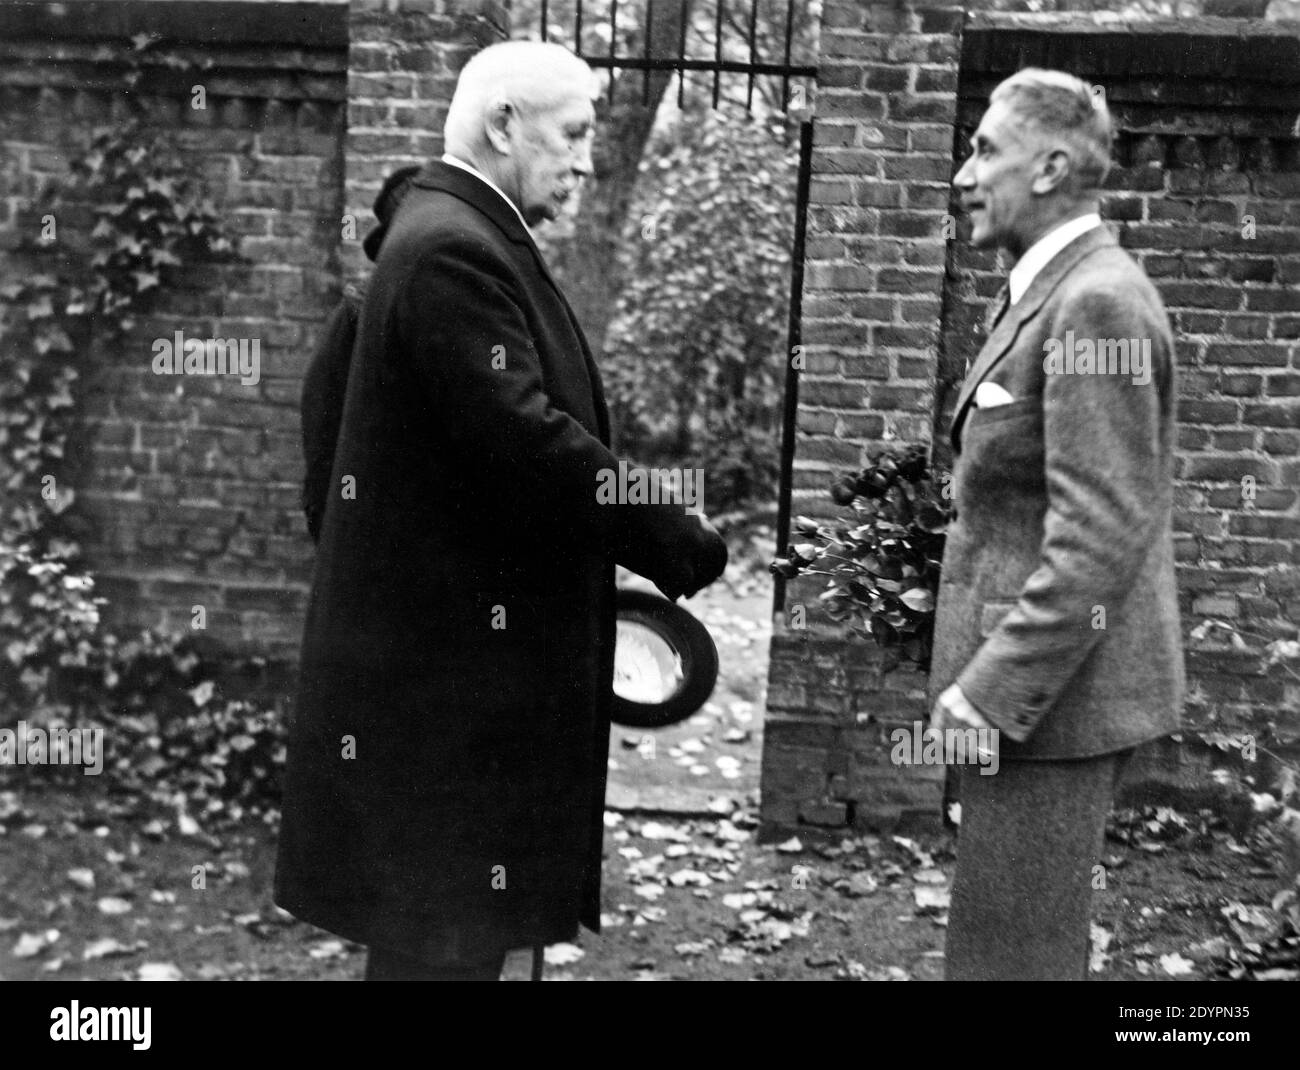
(478, 194)
(437, 175)
(474, 191)
(1004, 335)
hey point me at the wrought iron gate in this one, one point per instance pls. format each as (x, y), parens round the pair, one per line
(713, 43)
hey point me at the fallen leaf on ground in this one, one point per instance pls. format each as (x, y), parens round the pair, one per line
(931, 900)
(563, 954)
(693, 877)
(823, 960)
(1099, 941)
(655, 830)
(856, 885)
(159, 971)
(107, 947)
(728, 833)
(31, 944)
(739, 900)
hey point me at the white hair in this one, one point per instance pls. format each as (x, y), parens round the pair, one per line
(1065, 106)
(528, 75)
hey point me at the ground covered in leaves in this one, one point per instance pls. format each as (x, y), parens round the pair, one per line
(99, 882)
(94, 887)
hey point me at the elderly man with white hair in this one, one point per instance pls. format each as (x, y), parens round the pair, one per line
(444, 795)
(1057, 622)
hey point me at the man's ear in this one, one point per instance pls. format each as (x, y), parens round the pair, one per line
(1053, 171)
(498, 120)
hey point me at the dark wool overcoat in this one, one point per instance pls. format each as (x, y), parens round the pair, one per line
(445, 784)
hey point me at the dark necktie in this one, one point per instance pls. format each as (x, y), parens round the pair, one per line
(998, 309)
(995, 313)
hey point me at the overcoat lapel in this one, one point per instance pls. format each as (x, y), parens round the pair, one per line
(478, 194)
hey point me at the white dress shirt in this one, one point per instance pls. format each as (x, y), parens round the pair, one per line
(449, 158)
(1040, 254)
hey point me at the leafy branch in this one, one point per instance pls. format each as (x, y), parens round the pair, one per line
(882, 564)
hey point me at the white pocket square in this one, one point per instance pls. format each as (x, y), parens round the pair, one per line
(990, 395)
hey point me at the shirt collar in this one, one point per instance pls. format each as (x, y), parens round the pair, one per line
(1040, 254)
(449, 158)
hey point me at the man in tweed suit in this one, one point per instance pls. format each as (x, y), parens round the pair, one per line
(1057, 620)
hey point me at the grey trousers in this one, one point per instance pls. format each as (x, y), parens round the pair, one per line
(1022, 897)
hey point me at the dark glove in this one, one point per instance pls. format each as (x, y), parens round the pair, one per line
(701, 561)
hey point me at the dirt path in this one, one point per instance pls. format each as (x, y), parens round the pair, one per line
(92, 889)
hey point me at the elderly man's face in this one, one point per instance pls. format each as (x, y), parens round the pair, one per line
(552, 152)
(994, 184)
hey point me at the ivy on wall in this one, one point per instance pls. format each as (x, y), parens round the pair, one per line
(148, 218)
(99, 246)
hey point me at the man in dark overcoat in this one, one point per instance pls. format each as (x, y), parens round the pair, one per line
(1057, 622)
(444, 794)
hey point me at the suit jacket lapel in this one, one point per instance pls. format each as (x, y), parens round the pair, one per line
(1004, 335)
(460, 183)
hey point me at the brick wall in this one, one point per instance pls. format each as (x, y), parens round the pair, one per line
(892, 310)
(403, 59)
(188, 487)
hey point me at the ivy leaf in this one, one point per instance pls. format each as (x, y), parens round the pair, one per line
(162, 186)
(144, 280)
(918, 600)
(53, 338)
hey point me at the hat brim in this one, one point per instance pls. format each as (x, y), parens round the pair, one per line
(686, 638)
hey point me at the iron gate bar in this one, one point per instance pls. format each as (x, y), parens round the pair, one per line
(649, 31)
(681, 54)
(753, 53)
(613, 45)
(647, 63)
(717, 50)
(789, 33)
(794, 337)
(545, 20)
(727, 66)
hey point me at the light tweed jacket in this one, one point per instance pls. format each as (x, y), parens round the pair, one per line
(1057, 612)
